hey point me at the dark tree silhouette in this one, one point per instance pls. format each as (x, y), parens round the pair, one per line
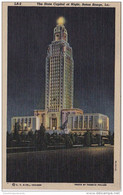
(112, 139)
(40, 138)
(68, 142)
(87, 138)
(100, 142)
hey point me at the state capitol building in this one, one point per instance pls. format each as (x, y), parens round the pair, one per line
(59, 115)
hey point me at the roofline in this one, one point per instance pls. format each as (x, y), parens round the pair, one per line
(95, 113)
(84, 114)
(72, 109)
(23, 117)
(40, 110)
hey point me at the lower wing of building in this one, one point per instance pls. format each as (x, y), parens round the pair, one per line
(68, 120)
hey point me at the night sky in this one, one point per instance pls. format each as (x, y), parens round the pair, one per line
(91, 34)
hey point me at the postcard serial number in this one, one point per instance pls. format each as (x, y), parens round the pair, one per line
(17, 3)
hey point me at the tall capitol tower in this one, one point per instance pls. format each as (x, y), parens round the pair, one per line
(59, 71)
(59, 114)
(59, 78)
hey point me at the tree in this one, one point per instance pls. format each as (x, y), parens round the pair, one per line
(9, 139)
(40, 138)
(112, 139)
(16, 135)
(16, 129)
(68, 142)
(99, 140)
(23, 136)
(47, 138)
(87, 138)
(30, 135)
(42, 130)
(73, 138)
(109, 137)
(81, 140)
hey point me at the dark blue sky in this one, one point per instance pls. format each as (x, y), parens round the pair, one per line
(91, 34)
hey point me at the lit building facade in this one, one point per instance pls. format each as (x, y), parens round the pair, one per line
(59, 114)
(59, 72)
(94, 122)
(25, 123)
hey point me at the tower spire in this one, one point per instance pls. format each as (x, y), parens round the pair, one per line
(60, 21)
(59, 71)
(60, 32)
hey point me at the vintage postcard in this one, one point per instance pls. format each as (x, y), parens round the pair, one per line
(61, 96)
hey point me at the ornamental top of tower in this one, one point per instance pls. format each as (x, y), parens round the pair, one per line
(60, 32)
(60, 21)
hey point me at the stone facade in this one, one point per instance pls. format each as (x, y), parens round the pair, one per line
(59, 114)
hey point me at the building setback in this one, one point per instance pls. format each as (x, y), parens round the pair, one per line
(59, 114)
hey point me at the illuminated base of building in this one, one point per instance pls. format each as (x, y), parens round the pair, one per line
(93, 131)
(66, 121)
